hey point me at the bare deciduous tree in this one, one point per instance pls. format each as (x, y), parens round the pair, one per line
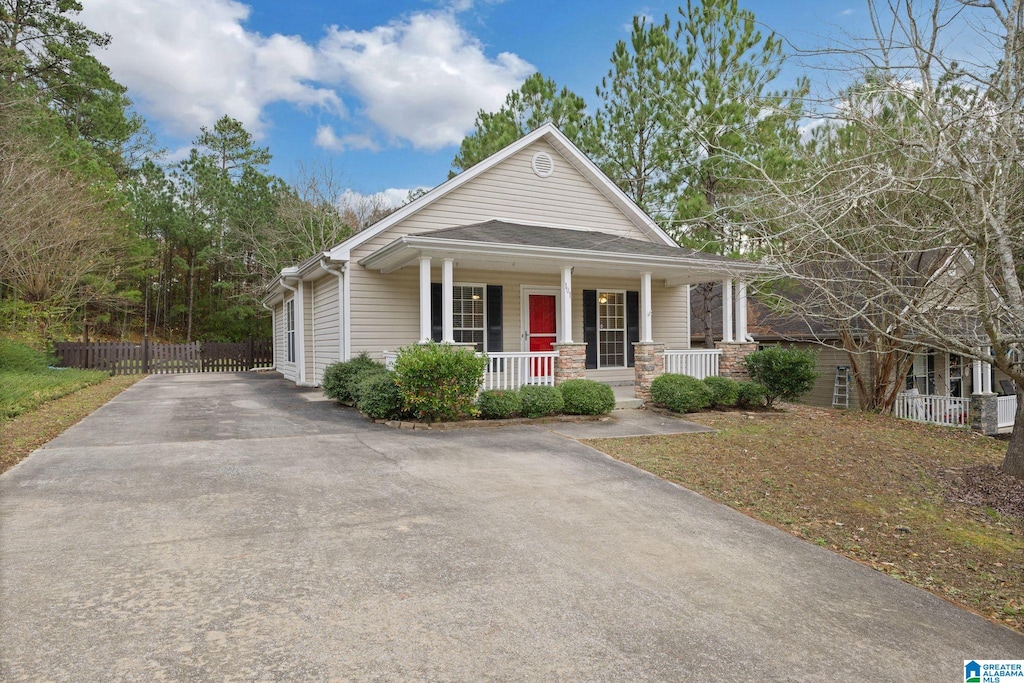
(903, 224)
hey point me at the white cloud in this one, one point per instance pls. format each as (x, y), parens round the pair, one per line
(392, 198)
(189, 62)
(847, 12)
(326, 138)
(421, 79)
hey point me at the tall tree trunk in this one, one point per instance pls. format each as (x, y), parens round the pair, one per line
(191, 296)
(1013, 463)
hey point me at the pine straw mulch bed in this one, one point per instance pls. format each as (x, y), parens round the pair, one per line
(928, 505)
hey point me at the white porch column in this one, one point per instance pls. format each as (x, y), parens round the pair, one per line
(565, 310)
(645, 309)
(986, 376)
(300, 332)
(447, 283)
(727, 311)
(424, 299)
(977, 382)
(741, 311)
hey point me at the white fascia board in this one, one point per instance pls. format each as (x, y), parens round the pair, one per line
(393, 256)
(610, 189)
(342, 251)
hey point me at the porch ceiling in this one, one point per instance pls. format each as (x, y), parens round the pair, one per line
(498, 245)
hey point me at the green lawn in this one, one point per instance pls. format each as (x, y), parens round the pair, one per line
(21, 390)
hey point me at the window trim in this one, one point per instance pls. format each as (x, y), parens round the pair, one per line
(483, 303)
(623, 329)
(289, 334)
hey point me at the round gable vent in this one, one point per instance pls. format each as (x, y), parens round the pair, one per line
(543, 164)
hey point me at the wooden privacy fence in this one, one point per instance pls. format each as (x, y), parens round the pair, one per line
(128, 358)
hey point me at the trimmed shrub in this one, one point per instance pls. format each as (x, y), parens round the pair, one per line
(750, 395)
(724, 391)
(15, 357)
(785, 373)
(438, 381)
(379, 395)
(586, 397)
(337, 376)
(680, 393)
(538, 401)
(498, 404)
(354, 383)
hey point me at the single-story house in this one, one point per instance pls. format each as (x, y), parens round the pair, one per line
(533, 256)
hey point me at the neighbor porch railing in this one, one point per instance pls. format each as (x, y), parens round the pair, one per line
(509, 370)
(948, 411)
(1007, 411)
(699, 363)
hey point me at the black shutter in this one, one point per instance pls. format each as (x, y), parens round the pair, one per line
(495, 342)
(632, 324)
(590, 326)
(436, 328)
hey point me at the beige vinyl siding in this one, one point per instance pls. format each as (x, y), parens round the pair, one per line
(279, 349)
(309, 326)
(325, 327)
(286, 368)
(513, 192)
(390, 311)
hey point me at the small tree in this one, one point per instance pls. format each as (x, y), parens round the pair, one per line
(438, 381)
(784, 373)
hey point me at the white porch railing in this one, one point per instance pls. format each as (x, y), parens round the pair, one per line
(513, 370)
(948, 411)
(1007, 411)
(509, 370)
(699, 363)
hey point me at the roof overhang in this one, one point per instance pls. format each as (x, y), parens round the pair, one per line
(674, 270)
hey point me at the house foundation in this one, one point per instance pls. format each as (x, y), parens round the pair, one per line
(648, 364)
(733, 354)
(571, 362)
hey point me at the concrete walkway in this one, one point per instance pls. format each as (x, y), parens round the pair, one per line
(232, 527)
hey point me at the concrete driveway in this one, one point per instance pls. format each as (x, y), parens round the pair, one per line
(233, 527)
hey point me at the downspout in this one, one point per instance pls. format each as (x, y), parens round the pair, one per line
(300, 330)
(273, 336)
(343, 337)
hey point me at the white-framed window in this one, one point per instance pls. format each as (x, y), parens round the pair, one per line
(468, 307)
(955, 377)
(611, 326)
(289, 318)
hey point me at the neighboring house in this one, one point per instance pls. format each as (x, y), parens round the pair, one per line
(532, 256)
(934, 373)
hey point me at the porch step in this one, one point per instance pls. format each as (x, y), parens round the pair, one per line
(624, 398)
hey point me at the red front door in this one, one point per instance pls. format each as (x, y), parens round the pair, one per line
(542, 322)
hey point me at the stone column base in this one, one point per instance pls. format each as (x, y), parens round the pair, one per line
(648, 364)
(733, 354)
(571, 362)
(985, 414)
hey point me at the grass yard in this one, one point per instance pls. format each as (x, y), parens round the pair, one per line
(38, 402)
(924, 504)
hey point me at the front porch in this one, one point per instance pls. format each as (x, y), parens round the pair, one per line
(576, 303)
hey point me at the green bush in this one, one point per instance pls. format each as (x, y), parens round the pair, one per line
(680, 393)
(355, 381)
(498, 404)
(379, 395)
(438, 381)
(750, 395)
(337, 382)
(725, 391)
(586, 397)
(538, 401)
(785, 373)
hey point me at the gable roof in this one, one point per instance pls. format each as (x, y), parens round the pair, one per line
(556, 139)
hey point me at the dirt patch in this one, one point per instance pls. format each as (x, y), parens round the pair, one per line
(925, 504)
(27, 432)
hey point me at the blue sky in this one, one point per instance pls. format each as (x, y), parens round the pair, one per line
(384, 91)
